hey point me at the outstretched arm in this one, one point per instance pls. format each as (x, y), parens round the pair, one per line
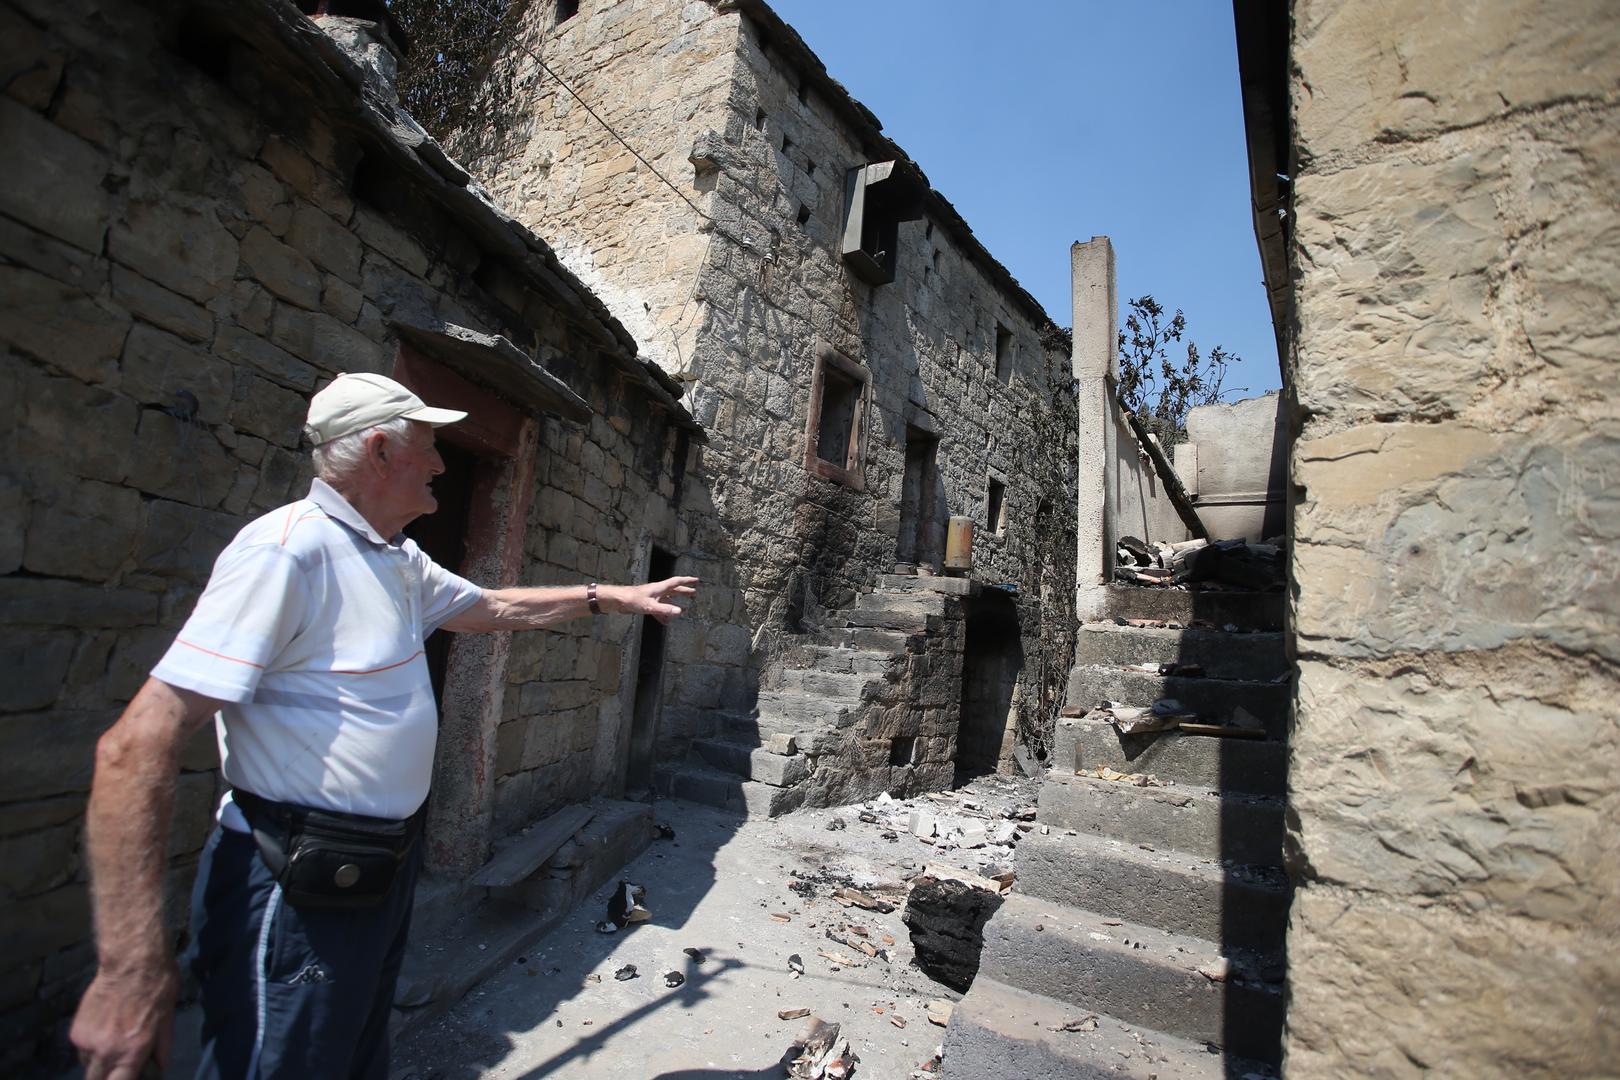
(531, 609)
(123, 1019)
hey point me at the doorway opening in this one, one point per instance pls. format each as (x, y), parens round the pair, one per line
(918, 543)
(443, 536)
(649, 686)
(992, 659)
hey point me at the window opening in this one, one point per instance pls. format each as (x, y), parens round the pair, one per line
(566, 9)
(839, 396)
(833, 429)
(804, 214)
(903, 750)
(759, 120)
(809, 168)
(1003, 353)
(804, 92)
(996, 507)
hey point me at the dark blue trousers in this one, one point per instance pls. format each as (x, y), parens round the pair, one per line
(287, 992)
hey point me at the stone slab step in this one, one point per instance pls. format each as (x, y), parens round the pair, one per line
(1139, 974)
(893, 642)
(1258, 656)
(703, 783)
(836, 686)
(843, 660)
(935, 583)
(753, 762)
(1235, 907)
(1257, 766)
(748, 731)
(1214, 700)
(792, 710)
(1217, 607)
(1000, 1030)
(911, 600)
(907, 619)
(440, 967)
(1234, 828)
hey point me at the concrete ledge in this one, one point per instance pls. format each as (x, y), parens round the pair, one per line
(1075, 957)
(999, 1030)
(1257, 766)
(1236, 828)
(1235, 908)
(1220, 654)
(441, 966)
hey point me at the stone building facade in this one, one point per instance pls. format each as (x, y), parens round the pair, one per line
(209, 209)
(1436, 200)
(864, 369)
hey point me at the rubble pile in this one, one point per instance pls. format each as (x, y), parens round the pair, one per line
(946, 911)
(1235, 564)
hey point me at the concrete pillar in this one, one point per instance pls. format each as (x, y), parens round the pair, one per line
(1095, 363)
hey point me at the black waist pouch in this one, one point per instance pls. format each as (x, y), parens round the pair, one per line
(325, 859)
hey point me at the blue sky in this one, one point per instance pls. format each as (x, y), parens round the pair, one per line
(1050, 121)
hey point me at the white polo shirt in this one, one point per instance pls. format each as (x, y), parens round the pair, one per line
(311, 629)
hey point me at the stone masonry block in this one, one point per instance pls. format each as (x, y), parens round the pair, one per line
(281, 269)
(1380, 988)
(1369, 84)
(61, 324)
(89, 533)
(59, 189)
(179, 248)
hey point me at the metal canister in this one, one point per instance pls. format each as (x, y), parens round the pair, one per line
(959, 545)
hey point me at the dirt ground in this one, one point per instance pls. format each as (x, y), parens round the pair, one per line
(747, 896)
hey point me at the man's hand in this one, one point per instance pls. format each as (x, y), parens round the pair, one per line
(126, 1021)
(655, 598)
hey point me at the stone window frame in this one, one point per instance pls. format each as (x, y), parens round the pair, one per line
(851, 474)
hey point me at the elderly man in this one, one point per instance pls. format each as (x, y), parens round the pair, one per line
(306, 647)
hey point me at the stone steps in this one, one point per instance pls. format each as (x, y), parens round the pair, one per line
(1235, 907)
(1232, 827)
(703, 783)
(1001, 1031)
(1255, 766)
(1216, 607)
(753, 762)
(1215, 700)
(1138, 974)
(1222, 655)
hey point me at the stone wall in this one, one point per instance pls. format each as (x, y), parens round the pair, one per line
(735, 264)
(1455, 805)
(201, 223)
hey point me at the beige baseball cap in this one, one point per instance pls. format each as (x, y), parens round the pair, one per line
(354, 402)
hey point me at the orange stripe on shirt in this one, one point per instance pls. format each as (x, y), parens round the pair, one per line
(222, 656)
(385, 667)
(291, 524)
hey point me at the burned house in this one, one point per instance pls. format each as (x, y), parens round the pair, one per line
(785, 377)
(864, 370)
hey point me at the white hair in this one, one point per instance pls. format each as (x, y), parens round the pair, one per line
(338, 458)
